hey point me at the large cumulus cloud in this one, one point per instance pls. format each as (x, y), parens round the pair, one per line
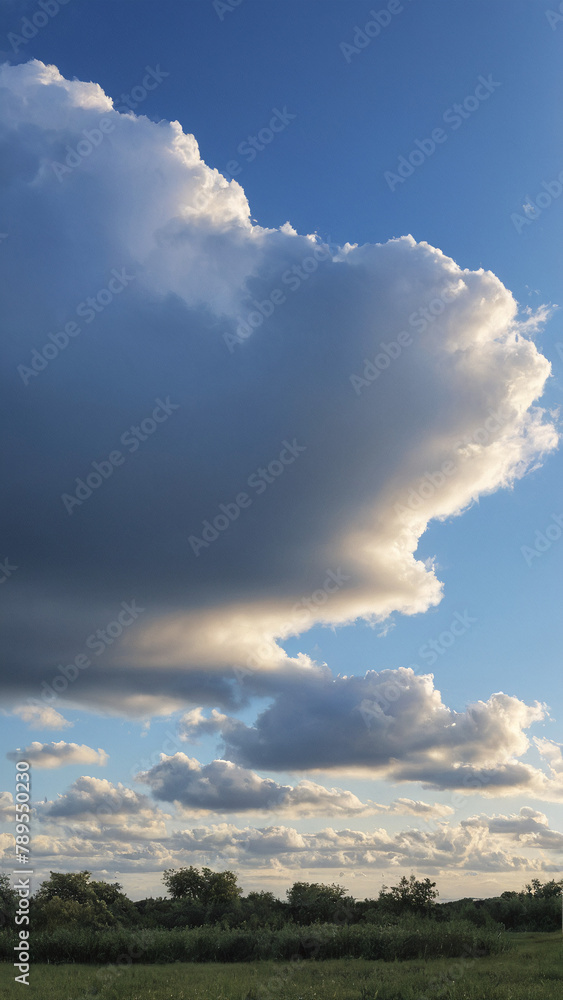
(392, 724)
(367, 469)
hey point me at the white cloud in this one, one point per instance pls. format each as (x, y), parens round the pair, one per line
(7, 812)
(522, 843)
(551, 751)
(481, 843)
(7, 844)
(357, 499)
(41, 716)
(425, 810)
(60, 754)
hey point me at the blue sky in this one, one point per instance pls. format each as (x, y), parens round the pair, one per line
(348, 117)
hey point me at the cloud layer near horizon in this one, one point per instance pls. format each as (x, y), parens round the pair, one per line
(356, 471)
(115, 827)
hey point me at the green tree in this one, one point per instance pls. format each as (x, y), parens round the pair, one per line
(8, 901)
(410, 895)
(71, 898)
(262, 909)
(546, 891)
(206, 886)
(67, 886)
(56, 912)
(183, 883)
(111, 893)
(310, 902)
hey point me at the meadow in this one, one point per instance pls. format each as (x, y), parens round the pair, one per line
(530, 969)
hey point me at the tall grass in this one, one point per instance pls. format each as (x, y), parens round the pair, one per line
(410, 938)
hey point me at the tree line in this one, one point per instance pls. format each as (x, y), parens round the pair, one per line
(202, 897)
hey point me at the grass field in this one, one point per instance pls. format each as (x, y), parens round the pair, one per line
(531, 970)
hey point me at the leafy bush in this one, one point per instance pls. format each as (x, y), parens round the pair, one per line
(412, 938)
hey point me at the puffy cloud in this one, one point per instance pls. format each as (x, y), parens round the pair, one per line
(480, 843)
(394, 724)
(520, 843)
(224, 787)
(96, 797)
(530, 827)
(59, 754)
(7, 845)
(327, 537)
(40, 716)
(425, 810)
(551, 751)
(194, 724)
(6, 807)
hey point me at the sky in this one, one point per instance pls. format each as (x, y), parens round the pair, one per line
(282, 348)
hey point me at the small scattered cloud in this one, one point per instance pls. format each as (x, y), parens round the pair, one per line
(41, 717)
(51, 755)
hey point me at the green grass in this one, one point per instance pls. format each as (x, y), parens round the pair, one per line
(532, 970)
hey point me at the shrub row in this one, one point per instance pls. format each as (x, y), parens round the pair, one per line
(409, 939)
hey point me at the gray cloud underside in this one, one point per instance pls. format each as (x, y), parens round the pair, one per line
(224, 787)
(392, 724)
